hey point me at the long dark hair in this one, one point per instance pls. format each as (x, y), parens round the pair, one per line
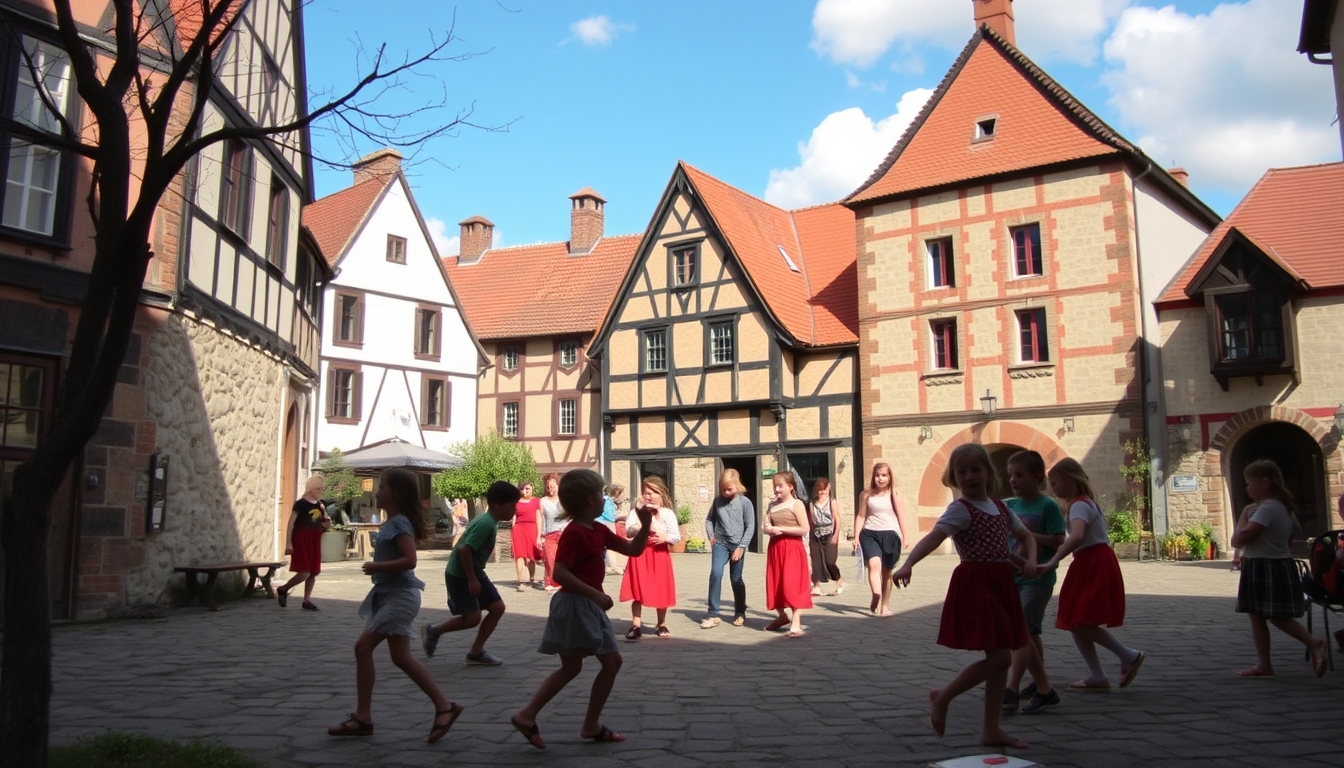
(405, 490)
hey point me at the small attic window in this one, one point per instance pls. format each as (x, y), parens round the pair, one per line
(787, 260)
(985, 127)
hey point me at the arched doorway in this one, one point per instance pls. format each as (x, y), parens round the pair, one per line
(999, 453)
(1300, 458)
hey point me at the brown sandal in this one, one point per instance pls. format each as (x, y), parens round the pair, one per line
(441, 729)
(352, 726)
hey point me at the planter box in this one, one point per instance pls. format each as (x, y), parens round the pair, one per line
(1126, 551)
(334, 544)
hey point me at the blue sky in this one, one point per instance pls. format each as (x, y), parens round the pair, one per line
(794, 101)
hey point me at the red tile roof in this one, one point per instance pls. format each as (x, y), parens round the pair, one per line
(336, 218)
(1294, 215)
(818, 304)
(541, 290)
(1037, 123)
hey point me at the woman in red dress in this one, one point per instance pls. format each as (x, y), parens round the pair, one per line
(648, 579)
(787, 583)
(303, 544)
(524, 537)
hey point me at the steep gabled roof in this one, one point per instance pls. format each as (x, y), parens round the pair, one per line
(336, 218)
(1037, 123)
(541, 290)
(818, 303)
(1295, 216)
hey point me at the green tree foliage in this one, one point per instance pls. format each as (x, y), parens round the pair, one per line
(488, 458)
(341, 481)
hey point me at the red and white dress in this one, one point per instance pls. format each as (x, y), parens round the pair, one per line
(648, 579)
(982, 610)
(1093, 594)
(788, 582)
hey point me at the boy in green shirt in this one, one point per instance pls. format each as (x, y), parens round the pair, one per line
(1041, 515)
(469, 589)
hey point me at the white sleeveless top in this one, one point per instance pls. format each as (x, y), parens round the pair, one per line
(882, 514)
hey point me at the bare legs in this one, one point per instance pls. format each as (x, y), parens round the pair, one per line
(1260, 635)
(493, 613)
(399, 648)
(524, 565)
(879, 583)
(1087, 638)
(993, 672)
(637, 614)
(1030, 658)
(570, 667)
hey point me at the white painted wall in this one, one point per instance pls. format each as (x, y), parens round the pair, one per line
(390, 402)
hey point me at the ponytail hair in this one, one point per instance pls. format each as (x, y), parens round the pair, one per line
(1070, 468)
(1267, 469)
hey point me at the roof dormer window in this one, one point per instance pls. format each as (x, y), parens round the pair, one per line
(787, 260)
(985, 128)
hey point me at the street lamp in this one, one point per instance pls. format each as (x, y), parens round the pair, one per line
(987, 403)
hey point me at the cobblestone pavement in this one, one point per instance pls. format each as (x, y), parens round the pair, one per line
(852, 691)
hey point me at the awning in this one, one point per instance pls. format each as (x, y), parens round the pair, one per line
(397, 453)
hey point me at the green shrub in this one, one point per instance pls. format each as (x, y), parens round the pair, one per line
(684, 515)
(1122, 527)
(132, 750)
(695, 545)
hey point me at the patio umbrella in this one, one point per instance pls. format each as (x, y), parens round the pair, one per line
(395, 452)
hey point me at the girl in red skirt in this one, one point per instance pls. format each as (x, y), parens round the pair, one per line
(648, 579)
(524, 536)
(982, 610)
(303, 544)
(1093, 595)
(787, 583)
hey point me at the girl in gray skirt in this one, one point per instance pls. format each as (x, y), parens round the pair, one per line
(578, 625)
(390, 608)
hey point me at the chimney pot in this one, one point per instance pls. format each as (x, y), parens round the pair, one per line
(586, 220)
(477, 235)
(377, 165)
(998, 16)
(1181, 175)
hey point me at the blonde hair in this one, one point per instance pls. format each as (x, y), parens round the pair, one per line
(578, 492)
(1267, 469)
(316, 481)
(872, 479)
(659, 486)
(1070, 468)
(732, 476)
(978, 453)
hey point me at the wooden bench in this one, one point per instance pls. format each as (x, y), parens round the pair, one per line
(255, 572)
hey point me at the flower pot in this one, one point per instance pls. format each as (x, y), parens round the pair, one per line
(334, 545)
(680, 546)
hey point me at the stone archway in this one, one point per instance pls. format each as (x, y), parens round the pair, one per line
(932, 493)
(1219, 458)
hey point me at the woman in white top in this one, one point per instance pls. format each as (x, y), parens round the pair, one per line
(552, 523)
(880, 534)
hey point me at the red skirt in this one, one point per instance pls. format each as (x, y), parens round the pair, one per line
(307, 556)
(523, 537)
(1093, 594)
(648, 579)
(982, 610)
(787, 581)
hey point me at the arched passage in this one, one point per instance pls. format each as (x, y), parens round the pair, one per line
(1000, 438)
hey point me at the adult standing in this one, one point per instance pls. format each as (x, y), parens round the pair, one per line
(553, 522)
(616, 497)
(880, 534)
(524, 536)
(825, 537)
(729, 526)
(303, 542)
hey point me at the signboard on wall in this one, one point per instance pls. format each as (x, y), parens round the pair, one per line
(1184, 484)
(768, 472)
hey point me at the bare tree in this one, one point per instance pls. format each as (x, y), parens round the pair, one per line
(145, 81)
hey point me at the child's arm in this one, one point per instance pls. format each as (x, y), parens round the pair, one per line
(289, 533)
(571, 583)
(1246, 532)
(1077, 528)
(1028, 541)
(406, 546)
(635, 547)
(466, 558)
(898, 506)
(930, 542)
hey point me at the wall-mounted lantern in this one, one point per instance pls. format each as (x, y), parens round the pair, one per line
(987, 403)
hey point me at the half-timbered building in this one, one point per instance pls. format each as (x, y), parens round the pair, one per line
(535, 309)
(214, 398)
(1010, 247)
(1251, 355)
(732, 344)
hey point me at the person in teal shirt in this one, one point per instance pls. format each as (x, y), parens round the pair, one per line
(1041, 515)
(469, 588)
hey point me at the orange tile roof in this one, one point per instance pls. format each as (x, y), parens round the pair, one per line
(541, 290)
(818, 304)
(1038, 123)
(1295, 215)
(336, 218)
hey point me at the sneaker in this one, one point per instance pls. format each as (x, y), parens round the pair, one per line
(816, 591)
(429, 640)
(484, 659)
(709, 622)
(1010, 701)
(1029, 691)
(1040, 701)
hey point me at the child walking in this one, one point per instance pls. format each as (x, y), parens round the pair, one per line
(389, 609)
(1271, 588)
(786, 579)
(648, 579)
(1093, 595)
(578, 625)
(469, 588)
(306, 525)
(879, 530)
(729, 528)
(1040, 514)
(982, 610)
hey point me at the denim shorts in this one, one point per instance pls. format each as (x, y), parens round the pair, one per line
(461, 601)
(883, 544)
(1035, 597)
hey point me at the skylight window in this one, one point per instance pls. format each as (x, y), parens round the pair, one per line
(787, 260)
(985, 127)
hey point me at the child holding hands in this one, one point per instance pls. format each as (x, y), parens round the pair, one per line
(578, 624)
(982, 611)
(1041, 515)
(389, 609)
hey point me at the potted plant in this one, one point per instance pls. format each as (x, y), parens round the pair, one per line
(1175, 544)
(683, 518)
(1123, 528)
(695, 545)
(343, 486)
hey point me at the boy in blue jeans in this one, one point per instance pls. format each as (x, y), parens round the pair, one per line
(469, 589)
(1041, 515)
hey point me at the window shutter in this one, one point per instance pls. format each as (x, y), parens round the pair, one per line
(447, 404)
(356, 411)
(332, 376)
(359, 319)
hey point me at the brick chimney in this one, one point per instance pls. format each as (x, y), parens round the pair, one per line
(998, 15)
(377, 165)
(585, 220)
(477, 235)
(1181, 175)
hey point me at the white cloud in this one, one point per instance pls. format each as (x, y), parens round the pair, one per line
(1224, 95)
(598, 30)
(1068, 30)
(452, 245)
(844, 149)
